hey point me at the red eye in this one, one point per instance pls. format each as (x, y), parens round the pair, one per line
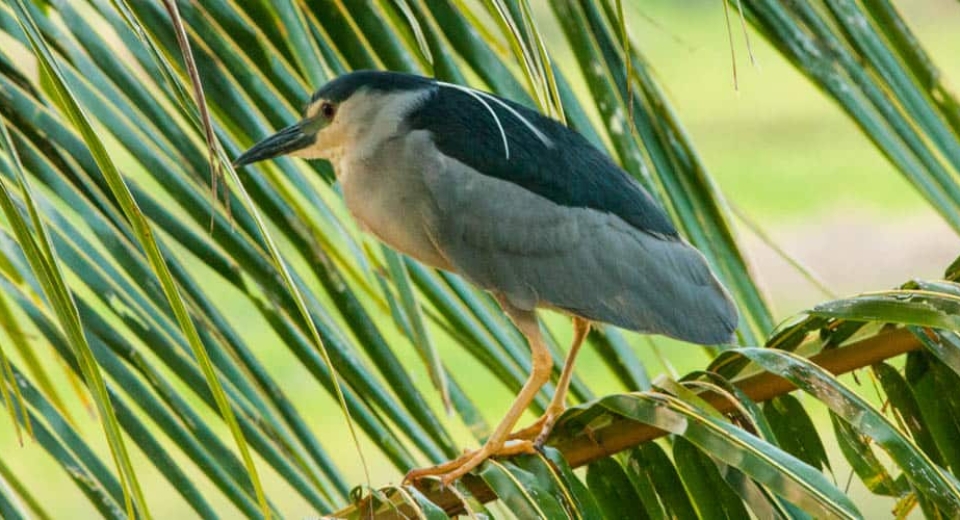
(328, 110)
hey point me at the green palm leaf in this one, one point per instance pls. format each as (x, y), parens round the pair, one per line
(227, 341)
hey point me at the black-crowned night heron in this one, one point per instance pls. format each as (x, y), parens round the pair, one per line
(516, 203)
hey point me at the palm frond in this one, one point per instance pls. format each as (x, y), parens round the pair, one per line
(261, 309)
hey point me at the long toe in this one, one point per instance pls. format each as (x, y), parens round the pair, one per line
(454, 469)
(514, 447)
(539, 430)
(440, 469)
(530, 432)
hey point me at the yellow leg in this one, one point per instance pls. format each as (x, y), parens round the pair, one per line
(540, 429)
(498, 443)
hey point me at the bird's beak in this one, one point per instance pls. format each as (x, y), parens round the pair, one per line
(290, 139)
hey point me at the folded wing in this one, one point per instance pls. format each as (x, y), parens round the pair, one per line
(585, 261)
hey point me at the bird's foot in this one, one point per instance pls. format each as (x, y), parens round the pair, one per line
(540, 429)
(460, 466)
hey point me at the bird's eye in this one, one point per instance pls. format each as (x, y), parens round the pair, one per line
(328, 110)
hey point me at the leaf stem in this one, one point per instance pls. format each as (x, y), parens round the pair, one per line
(621, 433)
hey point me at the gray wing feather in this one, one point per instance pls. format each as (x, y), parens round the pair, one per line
(536, 253)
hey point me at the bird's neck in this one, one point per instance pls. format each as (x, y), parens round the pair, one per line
(376, 118)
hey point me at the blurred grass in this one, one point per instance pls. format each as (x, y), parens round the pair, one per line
(779, 149)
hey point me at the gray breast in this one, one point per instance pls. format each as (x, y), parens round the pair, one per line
(386, 193)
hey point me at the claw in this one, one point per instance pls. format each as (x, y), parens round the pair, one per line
(527, 440)
(456, 468)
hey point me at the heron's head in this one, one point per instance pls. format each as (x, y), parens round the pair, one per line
(347, 114)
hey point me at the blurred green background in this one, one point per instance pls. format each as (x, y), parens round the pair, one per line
(788, 159)
(785, 156)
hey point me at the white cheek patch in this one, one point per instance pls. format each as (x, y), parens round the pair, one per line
(361, 125)
(375, 118)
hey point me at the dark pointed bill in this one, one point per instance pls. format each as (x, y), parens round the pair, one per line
(289, 139)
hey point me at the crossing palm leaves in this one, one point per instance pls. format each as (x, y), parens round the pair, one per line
(131, 290)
